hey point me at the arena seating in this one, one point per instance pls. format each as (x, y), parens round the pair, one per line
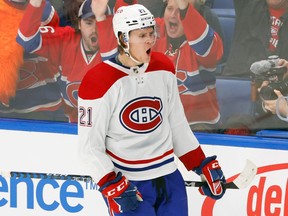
(227, 22)
(223, 4)
(234, 97)
(225, 11)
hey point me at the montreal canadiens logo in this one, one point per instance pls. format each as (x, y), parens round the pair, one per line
(142, 115)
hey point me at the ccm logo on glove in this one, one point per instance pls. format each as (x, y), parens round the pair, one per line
(210, 172)
(121, 195)
(119, 188)
(215, 165)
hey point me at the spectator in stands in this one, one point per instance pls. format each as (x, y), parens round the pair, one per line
(70, 12)
(261, 30)
(195, 49)
(158, 8)
(75, 50)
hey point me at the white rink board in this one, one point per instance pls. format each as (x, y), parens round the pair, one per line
(57, 153)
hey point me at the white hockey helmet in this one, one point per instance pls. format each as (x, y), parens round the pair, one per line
(128, 18)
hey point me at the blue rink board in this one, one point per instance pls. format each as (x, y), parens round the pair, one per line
(205, 138)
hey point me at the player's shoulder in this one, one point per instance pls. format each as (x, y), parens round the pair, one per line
(159, 61)
(98, 80)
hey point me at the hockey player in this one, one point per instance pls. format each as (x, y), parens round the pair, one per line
(132, 123)
(74, 50)
(195, 49)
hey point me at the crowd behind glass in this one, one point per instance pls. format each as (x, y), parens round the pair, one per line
(267, 108)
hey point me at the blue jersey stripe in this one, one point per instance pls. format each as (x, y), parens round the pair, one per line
(192, 83)
(31, 44)
(202, 46)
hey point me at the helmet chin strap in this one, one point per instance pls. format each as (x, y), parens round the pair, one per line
(126, 50)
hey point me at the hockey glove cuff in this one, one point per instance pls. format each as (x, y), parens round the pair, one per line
(121, 195)
(210, 171)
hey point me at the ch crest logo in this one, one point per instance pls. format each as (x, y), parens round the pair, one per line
(142, 115)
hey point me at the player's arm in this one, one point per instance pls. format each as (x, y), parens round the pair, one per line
(188, 149)
(190, 153)
(201, 37)
(93, 120)
(94, 116)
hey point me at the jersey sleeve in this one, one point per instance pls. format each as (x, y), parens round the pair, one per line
(95, 108)
(202, 38)
(50, 16)
(29, 36)
(105, 33)
(92, 129)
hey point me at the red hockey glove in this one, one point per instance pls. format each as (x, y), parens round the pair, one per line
(211, 172)
(121, 195)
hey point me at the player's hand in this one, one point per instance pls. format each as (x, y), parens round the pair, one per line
(122, 196)
(211, 172)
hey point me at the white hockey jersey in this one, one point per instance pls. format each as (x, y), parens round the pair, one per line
(132, 120)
